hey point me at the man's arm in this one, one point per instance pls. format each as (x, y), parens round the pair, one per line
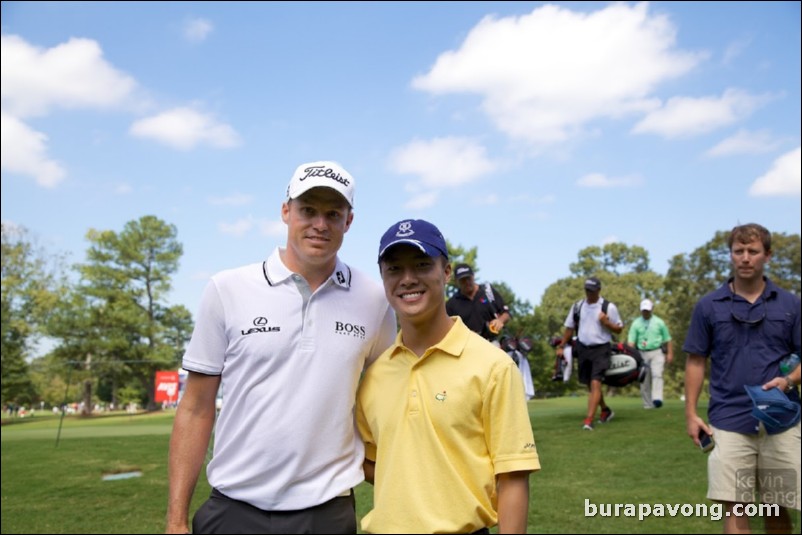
(567, 335)
(694, 379)
(500, 309)
(192, 430)
(615, 328)
(666, 335)
(632, 336)
(513, 502)
(615, 325)
(496, 324)
(785, 382)
(369, 468)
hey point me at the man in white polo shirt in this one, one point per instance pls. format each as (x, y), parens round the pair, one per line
(289, 338)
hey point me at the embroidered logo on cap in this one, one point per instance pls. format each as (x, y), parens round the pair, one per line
(405, 229)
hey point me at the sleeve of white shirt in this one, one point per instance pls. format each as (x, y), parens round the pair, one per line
(612, 314)
(569, 319)
(207, 347)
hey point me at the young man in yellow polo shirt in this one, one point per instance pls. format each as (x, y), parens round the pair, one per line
(442, 412)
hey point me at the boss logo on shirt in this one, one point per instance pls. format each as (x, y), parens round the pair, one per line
(260, 326)
(349, 329)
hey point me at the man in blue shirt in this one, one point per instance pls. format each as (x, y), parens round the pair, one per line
(746, 327)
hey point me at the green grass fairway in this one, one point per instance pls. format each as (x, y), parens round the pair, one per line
(640, 457)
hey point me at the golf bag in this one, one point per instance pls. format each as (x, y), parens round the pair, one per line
(517, 349)
(626, 366)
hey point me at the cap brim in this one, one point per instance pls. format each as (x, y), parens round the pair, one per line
(425, 248)
(300, 191)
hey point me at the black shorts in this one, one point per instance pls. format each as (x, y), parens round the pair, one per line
(593, 361)
(221, 514)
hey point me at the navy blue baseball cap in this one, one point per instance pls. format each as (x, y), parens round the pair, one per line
(773, 408)
(593, 284)
(417, 232)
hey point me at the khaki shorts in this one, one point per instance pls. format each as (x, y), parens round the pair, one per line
(742, 467)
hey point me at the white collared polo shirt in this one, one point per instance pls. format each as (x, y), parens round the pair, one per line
(290, 362)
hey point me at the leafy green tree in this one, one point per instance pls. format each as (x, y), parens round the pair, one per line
(616, 258)
(32, 282)
(116, 320)
(786, 259)
(49, 376)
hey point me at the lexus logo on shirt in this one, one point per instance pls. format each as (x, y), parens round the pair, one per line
(260, 326)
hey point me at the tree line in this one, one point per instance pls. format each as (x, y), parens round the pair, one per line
(109, 321)
(112, 328)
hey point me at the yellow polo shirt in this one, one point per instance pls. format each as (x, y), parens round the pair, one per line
(440, 428)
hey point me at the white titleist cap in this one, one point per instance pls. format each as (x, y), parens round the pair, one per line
(321, 174)
(646, 305)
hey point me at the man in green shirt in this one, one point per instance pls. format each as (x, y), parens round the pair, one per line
(650, 336)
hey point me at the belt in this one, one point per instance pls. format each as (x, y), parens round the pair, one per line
(591, 346)
(651, 348)
(217, 494)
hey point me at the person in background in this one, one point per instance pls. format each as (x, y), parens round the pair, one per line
(594, 328)
(745, 327)
(649, 335)
(289, 337)
(481, 308)
(448, 439)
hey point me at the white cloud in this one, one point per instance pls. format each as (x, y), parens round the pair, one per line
(237, 199)
(272, 228)
(688, 116)
(609, 239)
(24, 151)
(745, 142)
(442, 162)
(599, 180)
(422, 201)
(489, 199)
(544, 75)
(237, 228)
(70, 75)
(197, 30)
(735, 49)
(245, 225)
(526, 198)
(783, 179)
(123, 189)
(184, 128)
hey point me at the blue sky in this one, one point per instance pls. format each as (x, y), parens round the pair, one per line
(529, 130)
